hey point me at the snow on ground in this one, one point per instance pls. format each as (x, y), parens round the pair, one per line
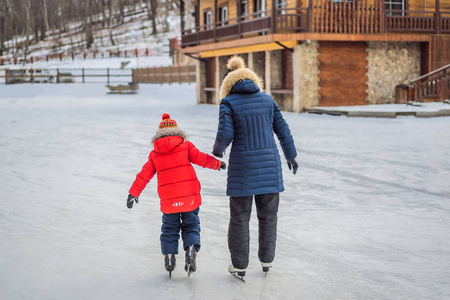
(426, 106)
(366, 217)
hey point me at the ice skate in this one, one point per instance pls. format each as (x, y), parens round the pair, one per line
(238, 273)
(170, 262)
(266, 267)
(190, 265)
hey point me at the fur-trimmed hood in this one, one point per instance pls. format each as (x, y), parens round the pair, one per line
(162, 146)
(237, 72)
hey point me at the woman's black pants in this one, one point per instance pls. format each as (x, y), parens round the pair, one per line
(238, 229)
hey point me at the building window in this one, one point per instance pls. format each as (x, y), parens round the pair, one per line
(244, 7)
(281, 4)
(395, 5)
(259, 6)
(223, 15)
(207, 19)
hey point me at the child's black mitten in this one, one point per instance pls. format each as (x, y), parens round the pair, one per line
(223, 165)
(131, 199)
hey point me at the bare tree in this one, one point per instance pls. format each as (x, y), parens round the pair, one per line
(152, 6)
(88, 23)
(112, 5)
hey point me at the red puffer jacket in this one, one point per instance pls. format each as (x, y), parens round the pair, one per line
(178, 186)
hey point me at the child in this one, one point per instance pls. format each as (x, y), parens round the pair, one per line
(178, 189)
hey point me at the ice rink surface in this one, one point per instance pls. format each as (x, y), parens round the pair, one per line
(366, 217)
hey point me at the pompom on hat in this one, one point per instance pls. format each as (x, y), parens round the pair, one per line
(167, 122)
(234, 63)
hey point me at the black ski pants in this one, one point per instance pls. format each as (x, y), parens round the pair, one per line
(238, 229)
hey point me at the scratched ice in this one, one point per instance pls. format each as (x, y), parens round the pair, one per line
(366, 217)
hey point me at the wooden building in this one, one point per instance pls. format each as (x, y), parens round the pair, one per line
(320, 52)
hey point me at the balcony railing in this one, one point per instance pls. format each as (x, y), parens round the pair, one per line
(323, 16)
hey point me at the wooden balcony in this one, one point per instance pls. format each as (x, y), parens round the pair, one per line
(323, 16)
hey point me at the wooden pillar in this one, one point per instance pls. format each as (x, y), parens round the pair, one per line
(273, 28)
(239, 13)
(438, 18)
(197, 20)
(309, 19)
(215, 20)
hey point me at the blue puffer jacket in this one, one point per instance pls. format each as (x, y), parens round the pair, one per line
(248, 118)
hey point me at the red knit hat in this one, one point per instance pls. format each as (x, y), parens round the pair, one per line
(167, 122)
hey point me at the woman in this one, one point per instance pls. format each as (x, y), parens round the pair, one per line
(247, 119)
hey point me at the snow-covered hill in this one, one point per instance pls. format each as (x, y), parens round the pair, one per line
(134, 33)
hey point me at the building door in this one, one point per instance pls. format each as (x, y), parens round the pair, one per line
(343, 73)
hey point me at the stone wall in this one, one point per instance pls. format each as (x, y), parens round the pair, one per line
(306, 75)
(390, 64)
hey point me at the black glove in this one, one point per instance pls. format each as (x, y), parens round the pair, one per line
(292, 164)
(217, 155)
(130, 200)
(223, 166)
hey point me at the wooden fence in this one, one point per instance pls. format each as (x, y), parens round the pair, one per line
(170, 74)
(81, 55)
(82, 75)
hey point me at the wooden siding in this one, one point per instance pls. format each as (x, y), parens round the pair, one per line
(439, 51)
(343, 73)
